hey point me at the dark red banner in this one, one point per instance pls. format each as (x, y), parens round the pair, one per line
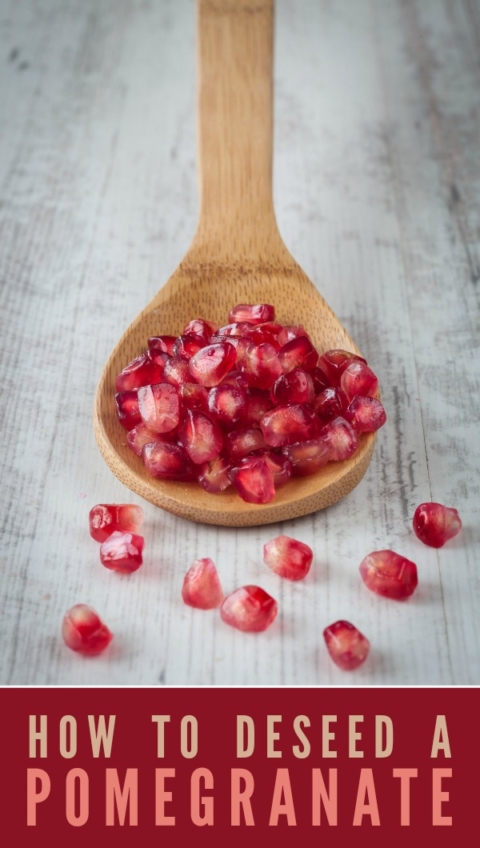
(316, 764)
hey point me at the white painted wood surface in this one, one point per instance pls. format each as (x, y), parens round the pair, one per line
(377, 191)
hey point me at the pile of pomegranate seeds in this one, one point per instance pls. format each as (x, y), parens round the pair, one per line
(245, 405)
(115, 526)
(434, 524)
(389, 574)
(288, 558)
(84, 631)
(347, 647)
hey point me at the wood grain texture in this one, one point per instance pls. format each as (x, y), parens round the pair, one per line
(377, 195)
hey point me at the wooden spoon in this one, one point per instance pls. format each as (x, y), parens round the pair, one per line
(237, 256)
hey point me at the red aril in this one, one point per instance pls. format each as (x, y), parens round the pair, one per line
(288, 557)
(193, 396)
(298, 353)
(176, 371)
(227, 404)
(241, 443)
(255, 314)
(186, 346)
(330, 403)
(334, 362)
(84, 631)
(200, 436)
(347, 647)
(168, 462)
(293, 422)
(141, 436)
(199, 327)
(159, 407)
(253, 479)
(290, 332)
(434, 524)
(249, 608)
(104, 519)
(294, 387)
(122, 551)
(210, 365)
(366, 414)
(162, 344)
(280, 466)
(389, 574)
(127, 408)
(213, 476)
(260, 366)
(140, 372)
(307, 457)
(201, 585)
(358, 379)
(341, 439)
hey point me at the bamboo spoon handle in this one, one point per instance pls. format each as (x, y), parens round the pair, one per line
(235, 55)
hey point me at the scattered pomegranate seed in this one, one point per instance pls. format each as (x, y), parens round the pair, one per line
(127, 408)
(200, 436)
(104, 519)
(84, 631)
(434, 524)
(201, 586)
(210, 365)
(122, 551)
(347, 647)
(159, 407)
(257, 314)
(254, 480)
(249, 608)
(389, 574)
(288, 557)
(367, 414)
(341, 438)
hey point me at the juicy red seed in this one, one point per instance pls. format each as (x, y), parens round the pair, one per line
(162, 344)
(367, 414)
(227, 404)
(159, 358)
(298, 353)
(288, 557)
(434, 524)
(260, 366)
(281, 467)
(307, 457)
(347, 647)
(320, 380)
(256, 314)
(330, 403)
(291, 332)
(258, 403)
(288, 424)
(141, 436)
(140, 372)
(341, 439)
(239, 443)
(201, 585)
(237, 329)
(122, 552)
(168, 462)
(176, 371)
(210, 365)
(253, 480)
(200, 436)
(104, 519)
(389, 574)
(193, 396)
(267, 332)
(199, 327)
(186, 346)
(294, 387)
(127, 409)
(213, 476)
(240, 343)
(249, 608)
(159, 407)
(334, 362)
(84, 631)
(358, 379)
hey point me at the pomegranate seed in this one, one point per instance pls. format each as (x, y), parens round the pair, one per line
(267, 332)
(186, 346)
(257, 314)
(141, 436)
(200, 436)
(162, 344)
(334, 362)
(210, 365)
(122, 551)
(434, 524)
(193, 396)
(176, 371)
(294, 387)
(84, 631)
(253, 480)
(213, 476)
(298, 353)
(127, 409)
(347, 647)
(291, 332)
(358, 379)
(258, 403)
(159, 407)
(199, 327)
(239, 443)
(320, 380)
(287, 424)
(307, 457)
(281, 467)
(341, 439)
(249, 608)
(288, 557)
(104, 519)
(330, 403)
(227, 404)
(260, 366)
(159, 359)
(168, 462)
(389, 574)
(237, 329)
(240, 343)
(140, 372)
(201, 586)
(366, 414)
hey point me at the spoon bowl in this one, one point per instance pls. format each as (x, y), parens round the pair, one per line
(237, 256)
